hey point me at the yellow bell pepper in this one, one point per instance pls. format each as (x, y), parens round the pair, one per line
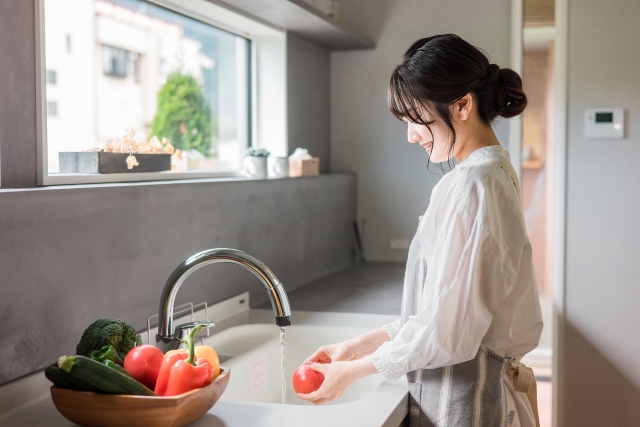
(203, 352)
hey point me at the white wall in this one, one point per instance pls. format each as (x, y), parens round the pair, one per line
(601, 371)
(394, 184)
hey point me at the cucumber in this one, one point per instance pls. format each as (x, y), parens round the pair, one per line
(63, 379)
(104, 378)
(57, 377)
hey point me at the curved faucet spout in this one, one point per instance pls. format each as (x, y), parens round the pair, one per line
(166, 339)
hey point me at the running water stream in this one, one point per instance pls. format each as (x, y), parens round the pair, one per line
(283, 345)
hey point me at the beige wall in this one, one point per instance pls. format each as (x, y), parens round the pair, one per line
(602, 346)
(534, 171)
(394, 185)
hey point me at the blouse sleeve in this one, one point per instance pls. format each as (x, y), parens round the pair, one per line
(393, 328)
(464, 284)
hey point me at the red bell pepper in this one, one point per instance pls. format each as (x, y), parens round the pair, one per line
(180, 374)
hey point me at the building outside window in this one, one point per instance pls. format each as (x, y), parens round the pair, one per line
(139, 67)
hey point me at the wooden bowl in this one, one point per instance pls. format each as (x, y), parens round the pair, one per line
(119, 410)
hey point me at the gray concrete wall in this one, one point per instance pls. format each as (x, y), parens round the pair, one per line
(394, 185)
(72, 255)
(17, 94)
(308, 90)
(601, 372)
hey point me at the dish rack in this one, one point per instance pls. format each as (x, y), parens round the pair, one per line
(180, 310)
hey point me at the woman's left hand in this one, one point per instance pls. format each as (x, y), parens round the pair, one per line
(338, 376)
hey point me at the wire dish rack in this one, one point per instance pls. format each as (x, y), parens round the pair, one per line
(179, 313)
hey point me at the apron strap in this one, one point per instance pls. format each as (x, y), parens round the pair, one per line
(525, 382)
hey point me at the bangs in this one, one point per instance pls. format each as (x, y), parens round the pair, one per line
(402, 100)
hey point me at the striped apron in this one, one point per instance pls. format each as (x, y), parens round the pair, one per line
(471, 393)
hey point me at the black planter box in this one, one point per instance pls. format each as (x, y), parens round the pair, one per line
(101, 162)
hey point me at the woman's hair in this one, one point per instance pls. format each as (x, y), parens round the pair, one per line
(438, 71)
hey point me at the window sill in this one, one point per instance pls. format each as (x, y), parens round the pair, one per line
(159, 181)
(90, 178)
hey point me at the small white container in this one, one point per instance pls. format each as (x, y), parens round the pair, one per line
(255, 167)
(278, 167)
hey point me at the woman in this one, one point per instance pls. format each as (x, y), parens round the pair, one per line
(470, 307)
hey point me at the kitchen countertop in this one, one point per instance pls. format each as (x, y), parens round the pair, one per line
(370, 287)
(27, 402)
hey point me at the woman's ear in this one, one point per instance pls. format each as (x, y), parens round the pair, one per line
(462, 107)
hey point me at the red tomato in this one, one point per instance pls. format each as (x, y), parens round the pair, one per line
(306, 380)
(143, 363)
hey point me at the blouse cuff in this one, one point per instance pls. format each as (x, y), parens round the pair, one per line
(392, 329)
(387, 364)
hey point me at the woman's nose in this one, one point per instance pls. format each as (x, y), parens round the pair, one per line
(412, 135)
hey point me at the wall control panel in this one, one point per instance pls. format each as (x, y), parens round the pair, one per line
(604, 123)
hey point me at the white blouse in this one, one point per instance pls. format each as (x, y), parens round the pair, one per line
(480, 286)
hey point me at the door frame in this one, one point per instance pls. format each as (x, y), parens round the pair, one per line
(558, 284)
(517, 59)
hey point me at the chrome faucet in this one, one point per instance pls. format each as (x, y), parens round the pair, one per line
(168, 340)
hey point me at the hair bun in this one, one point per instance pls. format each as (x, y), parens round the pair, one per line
(510, 100)
(494, 71)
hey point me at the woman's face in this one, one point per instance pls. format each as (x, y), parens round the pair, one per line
(437, 145)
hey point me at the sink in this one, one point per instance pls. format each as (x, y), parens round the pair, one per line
(253, 354)
(249, 344)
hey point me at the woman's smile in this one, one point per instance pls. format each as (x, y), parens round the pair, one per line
(427, 146)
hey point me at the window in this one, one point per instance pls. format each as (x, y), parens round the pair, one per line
(114, 61)
(139, 71)
(51, 77)
(52, 108)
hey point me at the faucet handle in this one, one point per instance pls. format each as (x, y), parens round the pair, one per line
(185, 328)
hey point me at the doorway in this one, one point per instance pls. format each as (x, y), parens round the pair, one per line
(537, 163)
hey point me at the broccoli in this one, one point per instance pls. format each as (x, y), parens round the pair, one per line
(108, 332)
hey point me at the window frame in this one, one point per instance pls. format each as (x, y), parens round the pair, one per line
(43, 176)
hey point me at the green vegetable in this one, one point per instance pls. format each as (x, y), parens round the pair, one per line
(104, 378)
(117, 367)
(63, 379)
(57, 377)
(104, 332)
(108, 352)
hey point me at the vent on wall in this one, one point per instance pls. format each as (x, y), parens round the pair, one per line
(399, 244)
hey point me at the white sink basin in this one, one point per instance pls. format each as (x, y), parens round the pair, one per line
(255, 360)
(253, 396)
